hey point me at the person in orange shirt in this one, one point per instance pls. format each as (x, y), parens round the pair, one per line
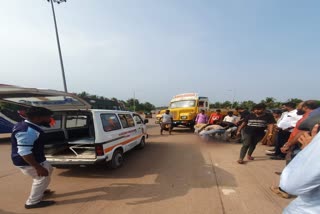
(215, 117)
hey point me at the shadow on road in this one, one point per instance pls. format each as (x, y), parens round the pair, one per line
(178, 169)
(6, 212)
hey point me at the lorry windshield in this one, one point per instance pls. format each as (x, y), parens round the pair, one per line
(183, 104)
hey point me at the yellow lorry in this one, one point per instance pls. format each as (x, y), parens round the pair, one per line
(184, 109)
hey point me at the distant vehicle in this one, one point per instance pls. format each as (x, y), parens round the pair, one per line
(81, 135)
(184, 109)
(148, 115)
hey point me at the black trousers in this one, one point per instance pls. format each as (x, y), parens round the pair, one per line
(282, 138)
(249, 143)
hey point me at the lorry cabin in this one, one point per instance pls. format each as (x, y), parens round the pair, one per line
(185, 107)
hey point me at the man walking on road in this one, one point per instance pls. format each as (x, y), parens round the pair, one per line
(167, 121)
(254, 125)
(243, 114)
(28, 154)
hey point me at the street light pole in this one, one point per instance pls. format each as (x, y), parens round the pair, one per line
(58, 42)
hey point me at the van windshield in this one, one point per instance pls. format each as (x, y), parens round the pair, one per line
(183, 104)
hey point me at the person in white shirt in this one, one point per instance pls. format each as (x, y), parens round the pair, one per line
(230, 118)
(285, 124)
(166, 122)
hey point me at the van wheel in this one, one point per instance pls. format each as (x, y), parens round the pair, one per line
(142, 143)
(117, 159)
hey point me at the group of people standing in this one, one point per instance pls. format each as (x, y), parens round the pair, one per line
(294, 133)
(249, 127)
(296, 128)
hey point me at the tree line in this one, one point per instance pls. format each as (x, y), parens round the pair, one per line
(131, 104)
(134, 104)
(270, 102)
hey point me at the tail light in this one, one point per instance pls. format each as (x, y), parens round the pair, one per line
(99, 150)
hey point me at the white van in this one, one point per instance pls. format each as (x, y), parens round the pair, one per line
(80, 135)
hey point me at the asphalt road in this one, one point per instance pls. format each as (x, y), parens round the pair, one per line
(172, 174)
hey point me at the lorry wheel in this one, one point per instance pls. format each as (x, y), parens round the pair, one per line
(142, 143)
(117, 159)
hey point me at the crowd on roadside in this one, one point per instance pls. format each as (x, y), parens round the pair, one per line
(292, 131)
(216, 124)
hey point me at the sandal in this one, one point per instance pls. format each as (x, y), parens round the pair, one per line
(279, 192)
(250, 157)
(240, 161)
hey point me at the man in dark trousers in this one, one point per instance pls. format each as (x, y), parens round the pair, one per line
(243, 114)
(28, 154)
(254, 125)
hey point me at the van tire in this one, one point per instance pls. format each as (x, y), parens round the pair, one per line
(142, 143)
(117, 159)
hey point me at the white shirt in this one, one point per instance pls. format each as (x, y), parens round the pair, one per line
(288, 119)
(230, 119)
(301, 178)
(167, 118)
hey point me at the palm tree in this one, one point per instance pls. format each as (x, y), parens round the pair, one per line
(83, 94)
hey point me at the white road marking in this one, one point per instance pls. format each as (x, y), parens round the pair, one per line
(228, 191)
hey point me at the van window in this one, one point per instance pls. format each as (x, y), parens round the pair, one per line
(201, 104)
(56, 123)
(126, 120)
(137, 118)
(110, 122)
(75, 121)
(123, 121)
(130, 120)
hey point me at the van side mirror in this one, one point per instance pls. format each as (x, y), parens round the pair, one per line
(146, 121)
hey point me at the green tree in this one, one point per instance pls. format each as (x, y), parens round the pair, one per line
(226, 104)
(215, 105)
(114, 99)
(148, 107)
(295, 100)
(133, 104)
(248, 104)
(235, 104)
(83, 94)
(270, 102)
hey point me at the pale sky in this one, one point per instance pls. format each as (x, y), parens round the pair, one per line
(249, 49)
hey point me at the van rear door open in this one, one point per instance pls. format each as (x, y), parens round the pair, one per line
(50, 99)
